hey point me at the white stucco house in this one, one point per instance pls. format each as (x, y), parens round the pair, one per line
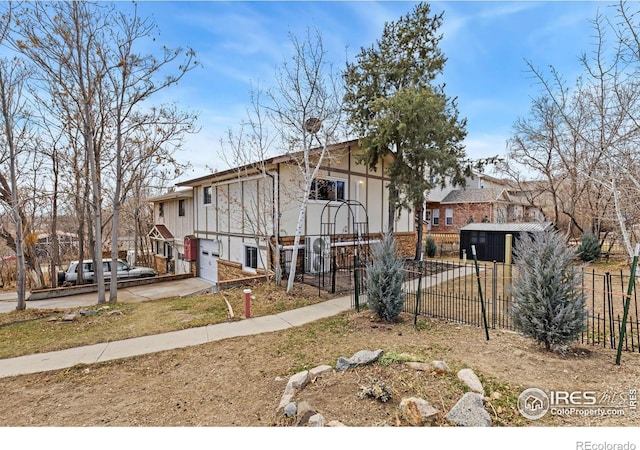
(243, 214)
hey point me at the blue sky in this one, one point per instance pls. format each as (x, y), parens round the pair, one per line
(486, 44)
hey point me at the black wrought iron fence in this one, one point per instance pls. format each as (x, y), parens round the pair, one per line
(451, 291)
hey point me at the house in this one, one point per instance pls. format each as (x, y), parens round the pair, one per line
(246, 214)
(484, 199)
(173, 220)
(67, 243)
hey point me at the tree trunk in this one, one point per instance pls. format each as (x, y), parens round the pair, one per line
(420, 225)
(296, 242)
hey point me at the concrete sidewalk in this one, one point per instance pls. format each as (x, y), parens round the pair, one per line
(108, 351)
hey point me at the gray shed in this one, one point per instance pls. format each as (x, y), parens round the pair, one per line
(489, 238)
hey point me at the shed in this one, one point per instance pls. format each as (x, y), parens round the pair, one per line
(489, 238)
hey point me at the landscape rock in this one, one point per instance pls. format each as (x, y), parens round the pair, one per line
(418, 412)
(469, 412)
(317, 420)
(304, 407)
(423, 367)
(317, 371)
(305, 413)
(284, 401)
(468, 377)
(440, 367)
(68, 318)
(297, 382)
(291, 409)
(358, 359)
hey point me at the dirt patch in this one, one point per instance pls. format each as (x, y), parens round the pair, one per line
(239, 381)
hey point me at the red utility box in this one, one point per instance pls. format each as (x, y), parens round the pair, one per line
(190, 248)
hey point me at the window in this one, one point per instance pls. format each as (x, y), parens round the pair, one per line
(448, 217)
(325, 189)
(161, 210)
(435, 217)
(181, 208)
(250, 257)
(206, 195)
(478, 237)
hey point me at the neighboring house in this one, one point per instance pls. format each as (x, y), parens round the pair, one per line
(173, 221)
(67, 243)
(484, 199)
(241, 215)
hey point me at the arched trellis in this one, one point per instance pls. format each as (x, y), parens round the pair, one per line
(344, 233)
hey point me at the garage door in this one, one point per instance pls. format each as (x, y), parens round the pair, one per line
(208, 259)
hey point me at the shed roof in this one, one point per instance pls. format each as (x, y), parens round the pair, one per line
(507, 227)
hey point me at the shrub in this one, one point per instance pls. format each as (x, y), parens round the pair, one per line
(548, 304)
(589, 248)
(430, 247)
(384, 280)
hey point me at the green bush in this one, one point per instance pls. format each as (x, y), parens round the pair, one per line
(589, 248)
(430, 247)
(385, 275)
(548, 304)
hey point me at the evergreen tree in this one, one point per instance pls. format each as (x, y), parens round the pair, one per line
(431, 247)
(548, 304)
(384, 280)
(395, 106)
(589, 248)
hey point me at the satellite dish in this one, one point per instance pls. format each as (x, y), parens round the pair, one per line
(318, 245)
(312, 125)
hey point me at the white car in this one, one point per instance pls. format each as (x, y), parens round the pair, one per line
(124, 272)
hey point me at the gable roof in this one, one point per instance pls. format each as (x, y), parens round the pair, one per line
(255, 166)
(486, 195)
(160, 232)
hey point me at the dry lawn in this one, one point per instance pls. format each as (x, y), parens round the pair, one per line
(239, 381)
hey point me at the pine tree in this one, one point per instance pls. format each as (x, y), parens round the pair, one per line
(589, 248)
(384, 280)
(548, 304)
(431, 248)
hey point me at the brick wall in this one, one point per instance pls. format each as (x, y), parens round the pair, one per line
(462, 215)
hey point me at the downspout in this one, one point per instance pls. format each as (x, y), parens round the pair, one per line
(275, 180)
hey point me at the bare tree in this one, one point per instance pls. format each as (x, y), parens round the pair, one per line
(305, 110)
(248, 149)
(132, 80)
(544, 147)
(89, 69)
(600, 113)
(13, 117)
(64, 41)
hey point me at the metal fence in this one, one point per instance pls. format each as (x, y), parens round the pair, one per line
(455, 292)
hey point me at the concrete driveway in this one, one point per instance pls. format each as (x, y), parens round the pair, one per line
(132, 294)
